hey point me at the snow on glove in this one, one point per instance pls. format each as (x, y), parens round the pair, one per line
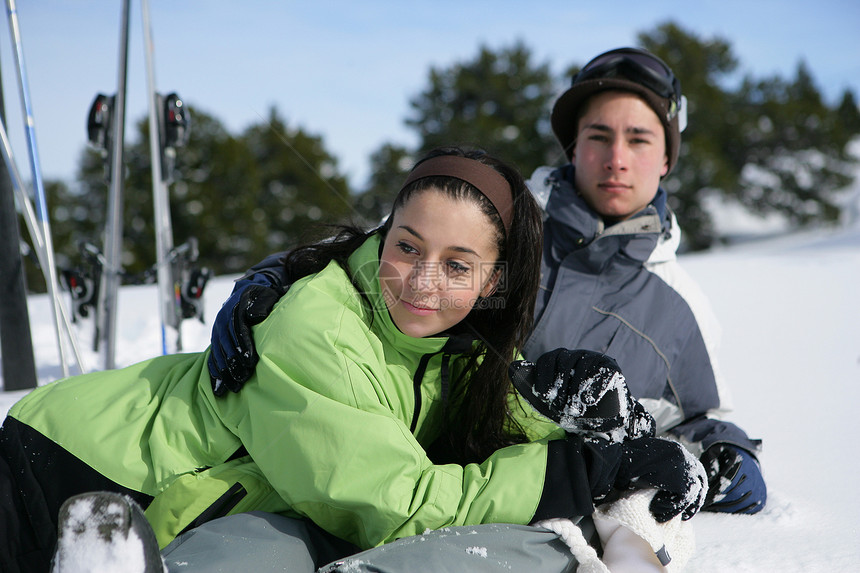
(641, 423)
(584, 392)
(233, 355)
(667, 466)
(735, 481)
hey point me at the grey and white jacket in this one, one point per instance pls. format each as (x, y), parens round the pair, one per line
(620, 290)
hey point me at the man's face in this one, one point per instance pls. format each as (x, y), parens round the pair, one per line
(619, 155)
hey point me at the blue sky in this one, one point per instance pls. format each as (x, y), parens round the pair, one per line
(346, 70)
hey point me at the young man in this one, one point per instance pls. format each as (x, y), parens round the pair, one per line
(610, 278)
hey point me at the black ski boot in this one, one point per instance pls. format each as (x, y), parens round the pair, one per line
(103, 531)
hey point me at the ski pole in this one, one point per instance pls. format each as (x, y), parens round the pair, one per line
(49, 267)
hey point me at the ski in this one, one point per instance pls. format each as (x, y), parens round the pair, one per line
(160, 198)
(109, 289)
(168, 122)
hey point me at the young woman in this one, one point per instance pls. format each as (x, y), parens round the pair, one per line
(380, 408)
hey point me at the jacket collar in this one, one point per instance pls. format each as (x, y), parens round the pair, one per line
(364, 267)
(572, 224)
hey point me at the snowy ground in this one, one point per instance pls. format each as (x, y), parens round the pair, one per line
(790, 312)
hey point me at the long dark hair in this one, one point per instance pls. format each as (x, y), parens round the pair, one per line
(483, 423)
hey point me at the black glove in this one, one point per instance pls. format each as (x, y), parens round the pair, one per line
(582, 473)
(735, 483)
(233, 355)
(584, 392)
(667, 466)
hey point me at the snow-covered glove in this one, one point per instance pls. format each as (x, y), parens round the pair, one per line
(584, 392)
(667, 466)
(581, 474)
(233, 355)
(736, 484)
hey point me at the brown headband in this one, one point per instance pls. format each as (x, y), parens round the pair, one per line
(486, 179)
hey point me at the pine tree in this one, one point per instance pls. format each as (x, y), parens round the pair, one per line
(499, 101)
(388, 166)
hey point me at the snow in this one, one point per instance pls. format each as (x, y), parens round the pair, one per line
(479, 551)
(790, 314)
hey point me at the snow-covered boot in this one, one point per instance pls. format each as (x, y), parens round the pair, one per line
(103, 531)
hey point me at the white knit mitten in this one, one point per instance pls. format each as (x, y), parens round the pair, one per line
(631, 536)
(632, 540)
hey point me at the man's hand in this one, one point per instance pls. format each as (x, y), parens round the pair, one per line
(735, 481)
(233, 355)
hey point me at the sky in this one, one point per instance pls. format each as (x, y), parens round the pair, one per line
(346, 71)
(790, 355)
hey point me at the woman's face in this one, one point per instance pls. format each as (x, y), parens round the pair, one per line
(438, 258)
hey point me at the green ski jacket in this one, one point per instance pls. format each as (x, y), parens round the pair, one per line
(322, 429)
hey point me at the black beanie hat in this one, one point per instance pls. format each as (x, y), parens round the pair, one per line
(566, 108)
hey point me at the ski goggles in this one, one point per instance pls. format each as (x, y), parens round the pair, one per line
(637, 66)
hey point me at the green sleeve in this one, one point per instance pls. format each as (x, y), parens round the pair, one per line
(535, 424)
